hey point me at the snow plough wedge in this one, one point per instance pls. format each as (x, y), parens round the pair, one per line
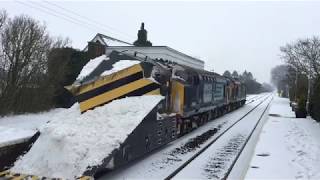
(120, 102)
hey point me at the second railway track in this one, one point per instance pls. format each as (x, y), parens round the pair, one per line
(230, 151)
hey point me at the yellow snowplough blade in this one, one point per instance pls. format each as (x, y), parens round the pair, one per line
(126, 82)
(7, 175)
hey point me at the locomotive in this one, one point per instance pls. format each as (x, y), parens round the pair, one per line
(192, 97)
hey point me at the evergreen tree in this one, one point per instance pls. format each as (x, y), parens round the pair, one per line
(235, 74)
(64, 65)
(227, 73)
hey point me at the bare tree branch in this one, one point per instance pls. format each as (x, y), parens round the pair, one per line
(304, 55)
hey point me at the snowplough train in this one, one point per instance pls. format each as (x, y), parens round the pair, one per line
(127, 105)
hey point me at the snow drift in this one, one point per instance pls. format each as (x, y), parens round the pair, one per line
(72, 141)
(120, 65)
(90, 66)
(94, 63)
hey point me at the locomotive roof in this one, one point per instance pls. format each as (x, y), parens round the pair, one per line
(203, 72)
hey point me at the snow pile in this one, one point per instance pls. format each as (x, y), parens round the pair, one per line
(72, 141)
(90, 66)
(120, 65)
(19, 128)
(94, 63)
(288, 146)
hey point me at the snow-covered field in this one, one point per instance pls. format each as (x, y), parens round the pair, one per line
(18, 128)
(288, 148)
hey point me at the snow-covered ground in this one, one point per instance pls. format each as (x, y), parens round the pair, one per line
(18, 128)
(22, 127)
(288, 148)
(71, 142)
(215, 161)
(161, 163)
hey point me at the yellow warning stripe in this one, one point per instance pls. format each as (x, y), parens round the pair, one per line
(35, 177)
(3, 173)
(177, 94)
(16, 176)
(113, 94)
(20, 177)
(85, 178)
(154, 92)
(7, 175)
(110, 78)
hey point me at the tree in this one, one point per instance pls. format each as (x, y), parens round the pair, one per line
(279, 74)
(227, 73)
(251, 84)
(64, 66)
(315, 99)
(265, 87)
(24, 48)
(3, 17)
(280, 78)
(247, 75)
(235, 74)
(303, 55)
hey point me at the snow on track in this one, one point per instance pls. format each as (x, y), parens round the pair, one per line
(216, 161)
(287, 145)
(161, 163)
(72, 141)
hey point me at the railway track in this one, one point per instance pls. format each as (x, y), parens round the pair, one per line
(253, 99)
(246, 141)
(161, 162)
(243, 140)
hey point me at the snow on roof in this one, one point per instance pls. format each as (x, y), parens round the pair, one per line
(90, 66)
(108, 41)
(72, 141)
(161, 52)
(111, 42)
(122, 64)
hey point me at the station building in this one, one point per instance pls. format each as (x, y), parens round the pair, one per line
(102, 44)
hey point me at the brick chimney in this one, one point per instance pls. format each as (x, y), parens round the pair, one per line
(96, 49)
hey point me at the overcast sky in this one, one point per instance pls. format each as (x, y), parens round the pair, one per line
(226, 35)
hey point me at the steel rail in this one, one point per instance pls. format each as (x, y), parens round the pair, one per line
(175, 172)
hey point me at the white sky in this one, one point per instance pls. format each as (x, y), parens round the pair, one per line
(237, 35)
